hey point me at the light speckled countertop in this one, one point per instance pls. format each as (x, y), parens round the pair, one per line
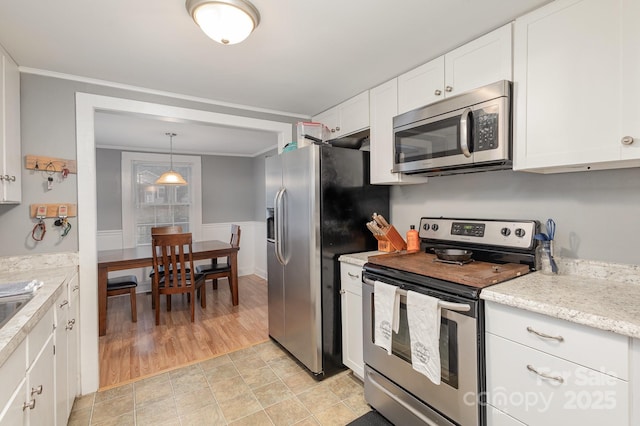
(53, 271)
(358, 259)
(597, 294)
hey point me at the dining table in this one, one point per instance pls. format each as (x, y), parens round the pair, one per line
(141, 256)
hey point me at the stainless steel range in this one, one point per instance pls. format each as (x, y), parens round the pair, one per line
(501, 250)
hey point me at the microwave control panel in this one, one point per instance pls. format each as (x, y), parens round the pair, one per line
(486, 129)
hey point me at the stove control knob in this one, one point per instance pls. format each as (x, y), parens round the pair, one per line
(520, 232)
(505, 232)
(425, 226)
(434, 227)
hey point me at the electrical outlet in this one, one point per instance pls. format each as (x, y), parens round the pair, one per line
(62, 211)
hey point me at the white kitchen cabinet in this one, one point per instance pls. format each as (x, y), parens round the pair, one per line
(576, 67)
(482, 61)
(10, 164)
(383, 106)
(546, 371)
(66, 344)
(40, 386)
(351, 303)
(348, 117)
(13, 386)
(14, 413)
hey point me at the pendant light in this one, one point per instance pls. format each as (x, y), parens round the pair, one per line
(225, 21)
(171, 177)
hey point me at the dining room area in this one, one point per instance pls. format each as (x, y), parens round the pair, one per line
(148, 321)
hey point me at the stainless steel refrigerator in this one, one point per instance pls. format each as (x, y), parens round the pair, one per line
(318, 202)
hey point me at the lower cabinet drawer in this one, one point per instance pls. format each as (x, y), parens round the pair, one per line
(575, 342)
(351, 278)
(540, 389)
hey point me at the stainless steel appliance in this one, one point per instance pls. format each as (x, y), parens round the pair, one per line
(466, 133)
(318, 202)
(501, 250)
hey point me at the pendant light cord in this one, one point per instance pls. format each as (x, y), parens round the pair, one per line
(171, 135)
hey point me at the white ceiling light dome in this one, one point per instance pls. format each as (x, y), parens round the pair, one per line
(225, 21)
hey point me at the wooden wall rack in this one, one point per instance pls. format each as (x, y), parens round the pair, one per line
(50, 164)
(52, 209)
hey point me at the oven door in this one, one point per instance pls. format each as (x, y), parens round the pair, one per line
(455, 397)
(465, 136)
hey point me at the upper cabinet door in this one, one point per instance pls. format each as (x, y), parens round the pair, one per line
(421, 86)
(630, 81)
(329, 118)
(354, 114)
(482, 61)
(383, 107)
(350, 116)
(10, 164)
(576, 68)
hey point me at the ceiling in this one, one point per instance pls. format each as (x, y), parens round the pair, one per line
(304, 57)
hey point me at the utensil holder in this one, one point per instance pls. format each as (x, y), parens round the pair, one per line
(390, 240)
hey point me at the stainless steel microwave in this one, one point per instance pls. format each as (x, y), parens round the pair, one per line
(466, 133)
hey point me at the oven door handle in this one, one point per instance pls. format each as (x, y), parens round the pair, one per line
(450, 306)
(395, 398)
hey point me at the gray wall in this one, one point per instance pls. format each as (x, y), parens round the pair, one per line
(230, 188)
(48, 128)
(596, 212)
(109, 189)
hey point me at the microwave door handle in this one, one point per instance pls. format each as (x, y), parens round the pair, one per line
(464, 132)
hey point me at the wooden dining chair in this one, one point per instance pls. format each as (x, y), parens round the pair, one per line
(124, 285)
(161, 230)
(216, 270)
(172, 252)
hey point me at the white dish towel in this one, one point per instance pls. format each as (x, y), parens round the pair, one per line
(386, 305)
(423, 318)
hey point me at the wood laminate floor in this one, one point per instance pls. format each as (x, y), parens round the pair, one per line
(131, 351)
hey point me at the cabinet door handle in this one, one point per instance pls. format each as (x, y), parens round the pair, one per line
(545, 376)
(448, 89)
(627, 140)
(337, 128)
(66, 302)
(342, 291)
(352, 275)
(36, 391)
(30, 405)
(437, 92)
(545, 336)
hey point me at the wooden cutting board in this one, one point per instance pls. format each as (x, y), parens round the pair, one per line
(476, 274)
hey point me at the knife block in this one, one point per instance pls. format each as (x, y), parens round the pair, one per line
(390, 240)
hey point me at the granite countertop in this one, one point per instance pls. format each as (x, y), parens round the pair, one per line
(53, 273)
(358, 259)
(596, 294)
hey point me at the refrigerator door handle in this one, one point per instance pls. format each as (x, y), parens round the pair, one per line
(278, 224)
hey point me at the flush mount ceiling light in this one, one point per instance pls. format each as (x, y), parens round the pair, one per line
(225, 21)
(171, 177)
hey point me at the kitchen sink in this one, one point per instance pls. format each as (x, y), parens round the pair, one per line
(10, 305)
(14, 296)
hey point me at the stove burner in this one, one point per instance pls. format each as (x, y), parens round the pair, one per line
(453, 262)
